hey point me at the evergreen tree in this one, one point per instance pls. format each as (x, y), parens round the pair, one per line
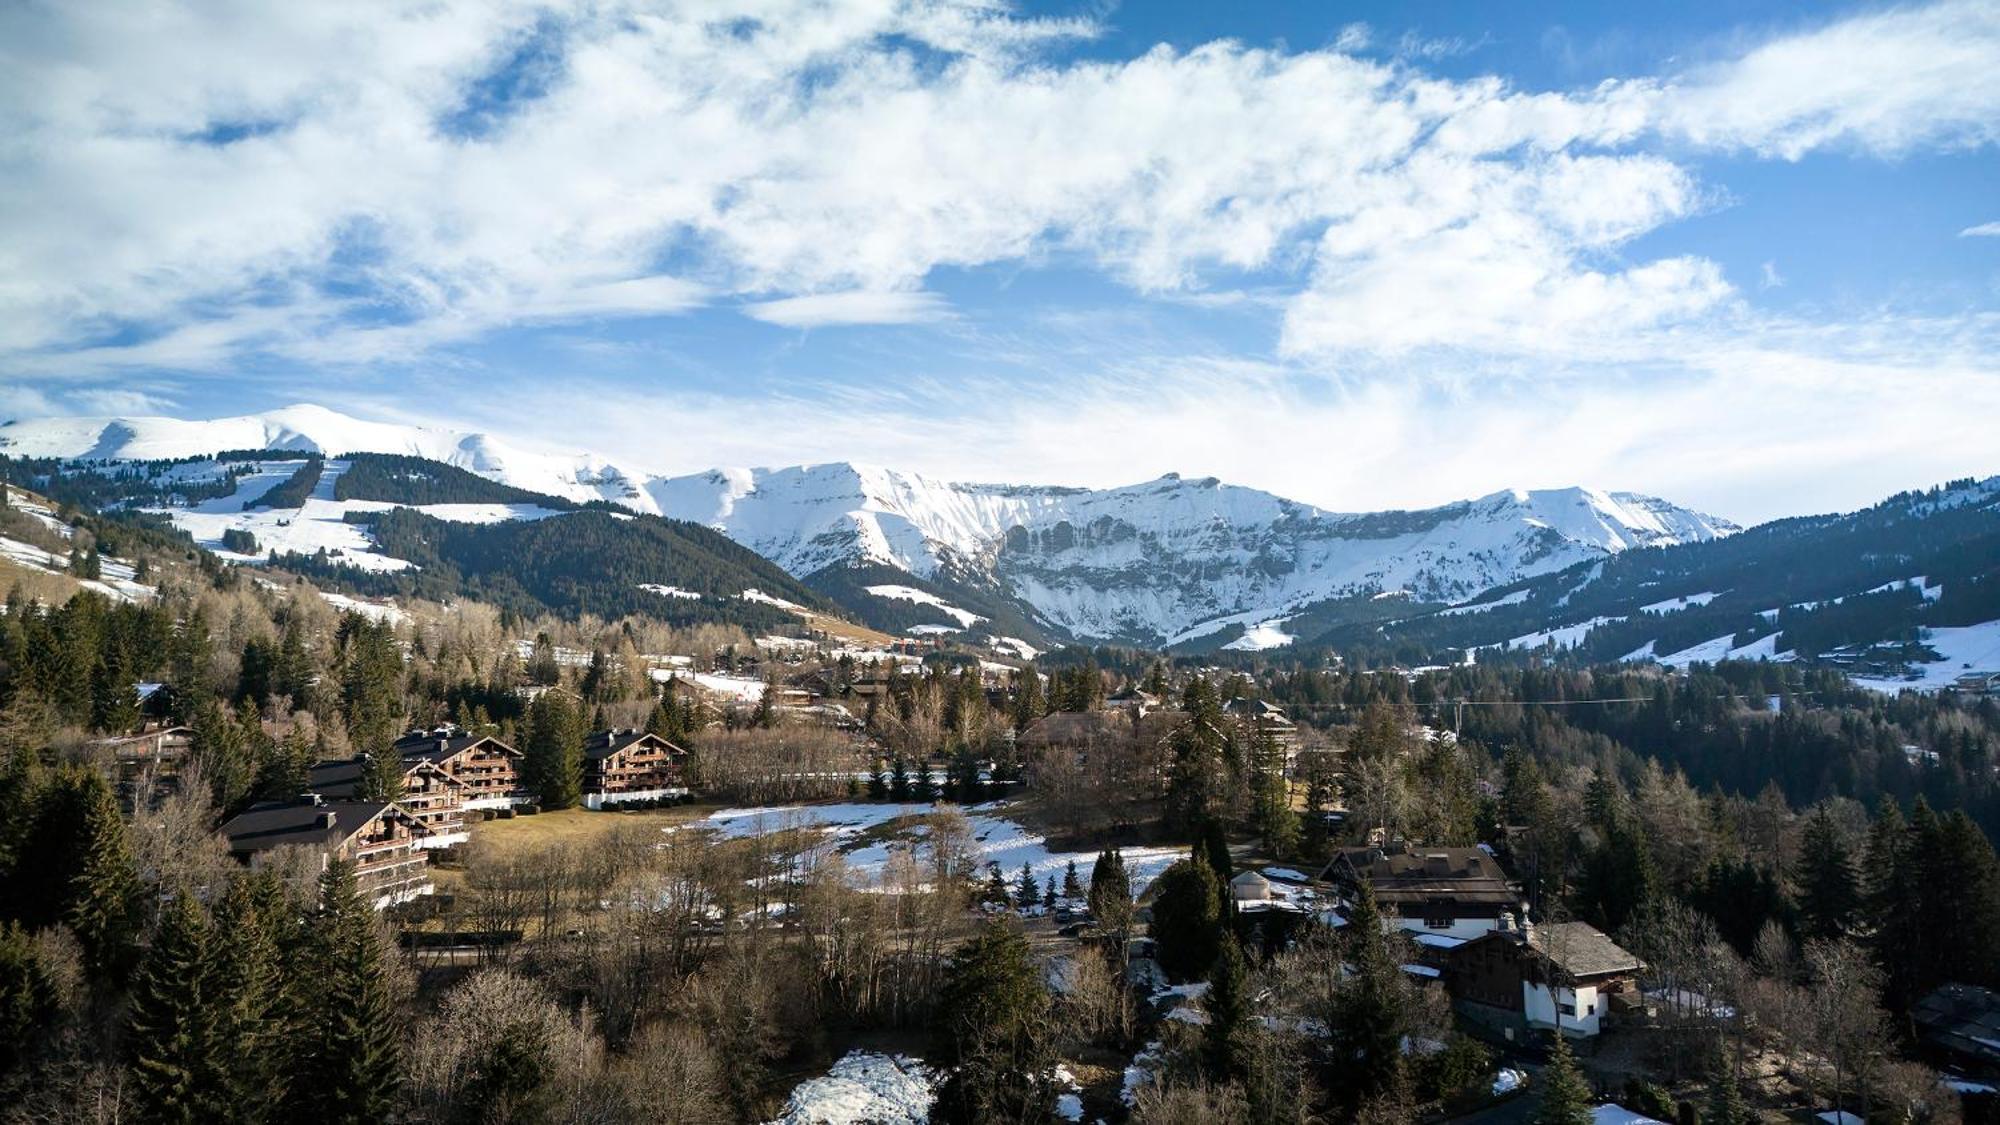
(1049, 893)
(996, 885)
(1272, 814)
(1373, 1008)
(1565, 1095)
(114, 707)
(993, 1031)
(1028, 702)
(1725, 1097)
(1187, 919)
(899, 780)
(1225, 1041)
(922, 789)
(1619, 875)
(372, 689)
(1213, 849)
(1111, 893)
(29, 1001)
(1072, 888)
(244, 999)
(349, 1065)
(170, 1048)
(552, 758)
(1829, 889)
(878, 787)
(1027, 892)
(104, 904)
(217, 746)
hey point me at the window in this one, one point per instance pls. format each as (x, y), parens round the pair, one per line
(1567, 1008)
(1438, 914)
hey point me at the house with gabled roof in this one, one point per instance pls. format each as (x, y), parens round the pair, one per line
(1441, 895)
(435, 798)
(631, 765)
(381, 840)
(489, 769)
(1525, 977)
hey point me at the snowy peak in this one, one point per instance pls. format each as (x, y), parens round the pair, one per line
(1167, 558)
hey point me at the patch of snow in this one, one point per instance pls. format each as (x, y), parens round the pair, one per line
(1611, 1113)
(864, 1088)
(1286, 874)
(753, 594)
(1016, 647)
(670, 591)
(1515, 598)
(965, 618)
(1508, 1080)
(1261, 636)
(1675, 605)
(377, 611)
(932, 630)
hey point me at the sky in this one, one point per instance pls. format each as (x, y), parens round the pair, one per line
(1742, 255)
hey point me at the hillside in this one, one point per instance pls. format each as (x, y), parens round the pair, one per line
(1903, 592)
(395, 524)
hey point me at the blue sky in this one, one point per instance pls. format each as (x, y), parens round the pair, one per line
(1361, 255)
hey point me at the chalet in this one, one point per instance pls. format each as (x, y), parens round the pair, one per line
(1523, 978)
(1248, 886)
(1265, 719)
(1441, 895)
(631, 765)
(489, 769)
(1958, 1025)
(1133, 699)
(1978, 683)
(379, 838)
(433, 797)
(133, 752)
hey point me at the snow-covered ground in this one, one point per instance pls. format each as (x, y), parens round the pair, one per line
(965, 618)
(743, 689)
(1566, 636)
(996, 839)
(1263, 635)
(320, 523)
(1970, 648)
(753, 594)
(383, 610)
(1715, 649)
(1673, 605)
(864, 1088)
(117, 579)
(670, 591)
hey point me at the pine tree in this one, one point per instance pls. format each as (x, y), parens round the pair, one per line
(29, 1000)
(922, 789)
(170, 1049)
(878, 786)
(1111, 893)
(1072, 888)
(246, 977)
(217, 745)
(372, 689)
(114, 705)
(993, 1031)
(1829, 890)
(899, 780)
(996, 885)
(1225, 1046)
(1027, 892)
(1725, 1097)
(1028, 702)
(1213, 849)
(349, 1067)
(1187, 919)
(104, 904)
(1049, 894)
(1565, 1095)
(1373, 1006)
(552, 758)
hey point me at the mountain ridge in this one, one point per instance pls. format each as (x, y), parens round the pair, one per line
(1171, 560)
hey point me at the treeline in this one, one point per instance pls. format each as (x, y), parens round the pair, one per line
(401, 479)
(293, 491)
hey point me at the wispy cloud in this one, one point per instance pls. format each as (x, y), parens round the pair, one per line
(855, 306)
(1983, 230)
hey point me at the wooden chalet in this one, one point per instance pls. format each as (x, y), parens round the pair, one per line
(1524, 978)
(435, 798)
(133, 752)
(1443, 896)
(382, 841)
(489, 769)
(631, 765)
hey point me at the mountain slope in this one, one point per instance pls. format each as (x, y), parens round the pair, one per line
(1191, 563)
(1886, 591)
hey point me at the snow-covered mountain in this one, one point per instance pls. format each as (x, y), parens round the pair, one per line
(1167, 561)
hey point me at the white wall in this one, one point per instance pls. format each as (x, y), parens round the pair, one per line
(1539, 1005)
(1464, 929)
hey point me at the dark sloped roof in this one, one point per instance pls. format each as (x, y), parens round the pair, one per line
(600, 744)
(341, 780)
(1962, 1018)
(440, 747)
(1419, 875)
(1581, 950)
(275, 824)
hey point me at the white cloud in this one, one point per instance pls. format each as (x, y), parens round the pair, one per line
(855, 306)
(1983, 230)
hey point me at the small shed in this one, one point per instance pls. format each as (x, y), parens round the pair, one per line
(1250, 887)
